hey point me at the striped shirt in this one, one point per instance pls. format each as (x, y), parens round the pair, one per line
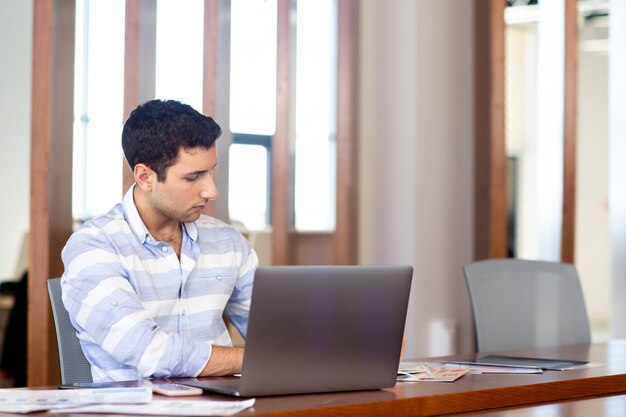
(142, 312)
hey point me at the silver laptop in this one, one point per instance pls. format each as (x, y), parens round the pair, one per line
(321, 329)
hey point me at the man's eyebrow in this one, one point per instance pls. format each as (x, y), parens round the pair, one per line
(199, 171)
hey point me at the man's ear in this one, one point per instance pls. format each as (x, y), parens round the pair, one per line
(145, 177)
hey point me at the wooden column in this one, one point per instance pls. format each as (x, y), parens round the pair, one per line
(569, 132)
(209, 73)
(139, 61)
(51, 175)
(282, 143)
(345, 237)
(490, 211)
(210, 61)
(216, 92)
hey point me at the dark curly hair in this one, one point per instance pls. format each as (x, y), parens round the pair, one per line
(156, 131)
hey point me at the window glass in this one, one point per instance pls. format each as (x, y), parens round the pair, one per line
(98, 107)
(179, 51)
(248, 188)
(253, 104)
(316, 96)
(253, 66)
(252, 109)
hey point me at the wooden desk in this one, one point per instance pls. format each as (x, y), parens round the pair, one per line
(612, 406)
(471, 392)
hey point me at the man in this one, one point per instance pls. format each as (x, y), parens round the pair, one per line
(146, 285)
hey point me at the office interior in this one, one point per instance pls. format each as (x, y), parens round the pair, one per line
(423, 126)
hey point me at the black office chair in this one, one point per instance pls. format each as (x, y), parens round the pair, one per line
(519, 304)
(13, 361)
(72, 362)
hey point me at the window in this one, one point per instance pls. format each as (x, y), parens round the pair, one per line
(252, 110)
(252, 102)
(316, 92)
(253, 106)
(98, 101)
(179, 36)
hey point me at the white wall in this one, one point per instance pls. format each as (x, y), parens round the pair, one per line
(416, 162)
(592, 207)
(16, 29)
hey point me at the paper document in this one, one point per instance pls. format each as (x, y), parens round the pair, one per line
(171, 408)
(478, 368)
(429, 371)
(548, 364)
(26, 401)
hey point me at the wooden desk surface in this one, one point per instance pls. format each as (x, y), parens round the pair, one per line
(471, 392)
(611, 406)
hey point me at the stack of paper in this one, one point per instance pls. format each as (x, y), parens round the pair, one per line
(26, 401)
(486, 368)
(123, 400)
(429, 371)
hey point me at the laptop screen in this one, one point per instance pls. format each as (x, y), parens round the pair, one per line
(325, 328)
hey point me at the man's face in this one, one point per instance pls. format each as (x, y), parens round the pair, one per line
(189, 184)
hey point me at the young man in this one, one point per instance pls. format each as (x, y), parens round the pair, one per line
(146, 284)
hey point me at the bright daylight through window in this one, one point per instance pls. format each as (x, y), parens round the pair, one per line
(99, 92)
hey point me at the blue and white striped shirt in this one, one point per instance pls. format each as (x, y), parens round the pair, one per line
(142, 312)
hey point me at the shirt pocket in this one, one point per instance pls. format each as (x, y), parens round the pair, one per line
(222, 280)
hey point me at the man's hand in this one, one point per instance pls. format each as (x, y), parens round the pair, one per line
(223, 361)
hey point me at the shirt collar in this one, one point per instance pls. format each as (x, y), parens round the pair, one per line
(191, 229)
(132, 216)
(137, 225)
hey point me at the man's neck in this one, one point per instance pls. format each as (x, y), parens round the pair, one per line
(160, 227)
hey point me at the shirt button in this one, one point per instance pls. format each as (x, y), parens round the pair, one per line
(114, 303)
(164, 248)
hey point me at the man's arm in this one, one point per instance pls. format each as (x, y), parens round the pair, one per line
(238, 307)
(223, 361)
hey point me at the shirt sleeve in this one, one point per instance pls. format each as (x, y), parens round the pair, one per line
(105, 310)
(238, 307)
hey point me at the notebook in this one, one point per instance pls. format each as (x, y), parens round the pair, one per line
(542, 363)
(321, 329)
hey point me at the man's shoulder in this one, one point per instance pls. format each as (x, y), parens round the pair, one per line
(208, 222)
(104, 225)
(210, 227)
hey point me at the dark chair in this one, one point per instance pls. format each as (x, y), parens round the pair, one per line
(13, 361)
(72, 362)
(519, 304)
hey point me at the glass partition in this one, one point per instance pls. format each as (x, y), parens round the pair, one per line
(534, 111)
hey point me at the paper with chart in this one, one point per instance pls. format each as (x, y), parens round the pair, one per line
(27, 401)
(429, 371)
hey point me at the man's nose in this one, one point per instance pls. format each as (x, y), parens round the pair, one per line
(209, 189)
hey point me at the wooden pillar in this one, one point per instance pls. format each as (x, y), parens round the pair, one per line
(569, 132)
(345, 237)
(282, 144)
(51, 176)
(216, 92)
(209, 73)
(490, 211)
(139, 61)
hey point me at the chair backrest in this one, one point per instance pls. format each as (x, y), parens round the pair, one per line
(72, 362)
(519, 304)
